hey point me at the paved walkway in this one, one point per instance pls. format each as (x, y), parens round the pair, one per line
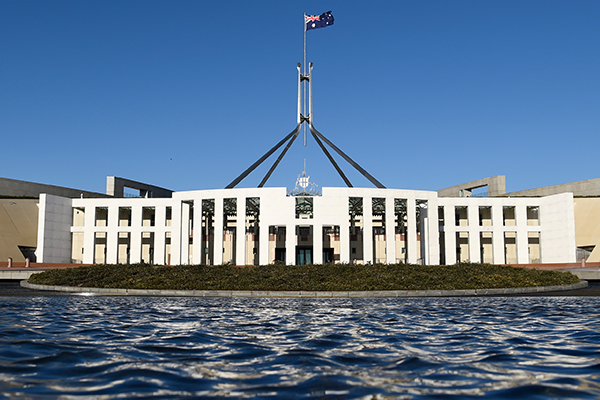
(306, 294)
(19, 271)
(14, 288)
(37, 266)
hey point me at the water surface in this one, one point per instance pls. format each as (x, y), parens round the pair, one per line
(77, 347)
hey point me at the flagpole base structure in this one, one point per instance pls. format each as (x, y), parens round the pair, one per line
(318, 136)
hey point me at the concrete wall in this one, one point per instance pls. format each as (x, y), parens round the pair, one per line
(590, 187)
(557, 217)
(587, 225)
(13, 187)
(115, 186)
(54, 229)
(18, 227)
(496, 186)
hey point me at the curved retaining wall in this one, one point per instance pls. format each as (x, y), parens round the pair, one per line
(315, 294)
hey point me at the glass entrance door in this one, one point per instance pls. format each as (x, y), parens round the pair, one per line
(303, 255)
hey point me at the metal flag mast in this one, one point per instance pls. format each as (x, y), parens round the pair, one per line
(304, 75)
(316, 21)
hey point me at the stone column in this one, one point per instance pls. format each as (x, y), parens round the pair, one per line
(198, 251)
(474, 242)
(240, 232)
(112, 235)
(412, 230)
(176, 229)
(218, 249)
(290, 244)
(89, 235)
(368, 230)
(317, 244)
(390, 231)
(450, 234)
(185, 234)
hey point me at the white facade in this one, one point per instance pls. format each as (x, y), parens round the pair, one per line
(265, 225)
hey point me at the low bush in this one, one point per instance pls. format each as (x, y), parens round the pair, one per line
(326, 277)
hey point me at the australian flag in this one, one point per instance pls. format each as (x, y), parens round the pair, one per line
(318, 21)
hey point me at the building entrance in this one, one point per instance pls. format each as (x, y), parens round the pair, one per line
(303, 255)
(279, 255)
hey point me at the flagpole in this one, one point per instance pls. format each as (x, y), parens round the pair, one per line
(304, 80)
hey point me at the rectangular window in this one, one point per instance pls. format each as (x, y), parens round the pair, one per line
(462, 246)
(355, 211)
(148, 247)
(304, 245)
(486, 248)
(533, 215)
(400, 229)
(77, 248)
(252, 230)
(148, 216)
(208, 231)
(229, 230)
(421, 218)
(167, 260)
(189, 204)
(508, 216)
(101, 216)
(304, 207)
(331, 244)
(78, 216)
(485, 216)
(304, 233)
(379, 230)
(124, 216)
(277, 244)
(533, 242)
(442, 235)
(124, 247)
(510, 247)
(100, 247)
(168, 216)
(461, 216)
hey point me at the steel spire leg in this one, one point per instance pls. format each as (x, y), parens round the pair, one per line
(276, 163)
(263, 158)
(348, 159)
(336, 166)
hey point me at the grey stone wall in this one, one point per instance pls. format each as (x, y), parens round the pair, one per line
(590, 187)
(13, 187)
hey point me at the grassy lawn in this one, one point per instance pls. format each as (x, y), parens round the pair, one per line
(326, 277)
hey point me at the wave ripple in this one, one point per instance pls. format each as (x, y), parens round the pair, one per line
(107, 347)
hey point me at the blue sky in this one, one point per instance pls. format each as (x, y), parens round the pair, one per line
(187, 94)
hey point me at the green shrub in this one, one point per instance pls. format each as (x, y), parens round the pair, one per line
(326, 277)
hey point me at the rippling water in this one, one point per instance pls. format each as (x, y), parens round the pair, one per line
(105, 347)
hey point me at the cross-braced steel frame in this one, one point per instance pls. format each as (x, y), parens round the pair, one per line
(318, 136)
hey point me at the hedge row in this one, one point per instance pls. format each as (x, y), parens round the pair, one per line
(326, 277)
